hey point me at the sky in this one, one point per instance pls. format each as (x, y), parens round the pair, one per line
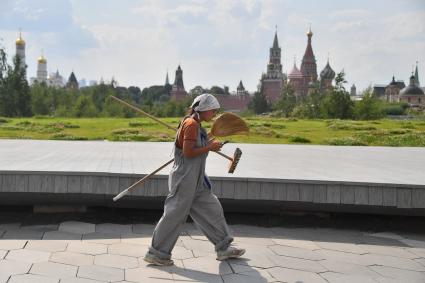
(216, 42)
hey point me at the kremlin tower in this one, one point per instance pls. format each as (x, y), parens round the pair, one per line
(20, 50)
(41, 69)
(177, 90)
(272, 82)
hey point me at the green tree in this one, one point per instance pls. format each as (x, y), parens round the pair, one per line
(15, 99)
(259, 103)
(84, 107)
(337, 103)
(41, 99)
(369, 108)
(287, 101)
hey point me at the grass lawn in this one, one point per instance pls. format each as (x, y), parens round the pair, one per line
(263, 130)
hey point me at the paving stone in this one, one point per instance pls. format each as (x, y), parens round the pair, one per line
(118, 261)
(256, 256)
(369, 240)
(420, 252)
(413, 243)
(198, 246)
(114, 229)
(242, 278)
(348, 268)
(259, 273)
(101, 273)
(4, 278)
(208, 264)
(46, 245)
(41, 228)
(389, 235)
(77, 227)
(295, 276)
(196, 276)
(31, 278)
(82, 280)
(11, 267)
(143, 229)
(254, 241)
(399, 274)
(303, 244)
(249, 230)
(87, 248)
(343, 247)
(12, 244)
(137, 239)
(128, 249)
(391, 261)
(101, 238)
(296, 252)
(297, 263)
(54, 270)
(343, 257)
(388, 250)
(61, 235)
(148, 274)
(420, 261)
(25, 234)
(333, 277)
(71, 258)
(25, 255)
(10, 226)
(181, 253)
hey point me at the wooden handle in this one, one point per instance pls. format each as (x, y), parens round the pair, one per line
(126, 191)
(143, 112)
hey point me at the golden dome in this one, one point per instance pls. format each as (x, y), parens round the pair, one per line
(41, 59)
(20, 41)
(309, 33)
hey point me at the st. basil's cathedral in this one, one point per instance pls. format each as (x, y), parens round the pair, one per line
(301, 80)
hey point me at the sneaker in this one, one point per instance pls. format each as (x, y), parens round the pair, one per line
(150, 258)
(231, 252)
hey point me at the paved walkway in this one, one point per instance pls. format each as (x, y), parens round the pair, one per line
(366, 164)
(78, 252)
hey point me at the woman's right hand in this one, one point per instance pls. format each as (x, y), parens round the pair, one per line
(214, 146)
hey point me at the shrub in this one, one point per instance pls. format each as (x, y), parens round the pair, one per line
(345, 141)
(299, 139)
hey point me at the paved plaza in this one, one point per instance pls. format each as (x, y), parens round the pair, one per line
(81, 252)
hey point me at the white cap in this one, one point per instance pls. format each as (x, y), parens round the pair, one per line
(205, 102)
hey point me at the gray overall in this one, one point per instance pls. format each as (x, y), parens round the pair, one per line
(190, 193)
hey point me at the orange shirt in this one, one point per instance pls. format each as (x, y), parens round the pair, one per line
(188, 131)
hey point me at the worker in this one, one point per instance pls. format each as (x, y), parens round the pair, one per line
(190, 189)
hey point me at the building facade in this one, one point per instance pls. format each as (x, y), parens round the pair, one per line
(272, 82)
(20, 50)
(177, 89)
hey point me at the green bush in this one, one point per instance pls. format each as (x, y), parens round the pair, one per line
(350, 141)
(298, 139)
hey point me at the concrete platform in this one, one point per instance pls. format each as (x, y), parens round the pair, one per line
(74, 251)
(268, 177)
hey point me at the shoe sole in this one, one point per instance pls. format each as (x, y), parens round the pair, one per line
(157, 263)
(221, 258)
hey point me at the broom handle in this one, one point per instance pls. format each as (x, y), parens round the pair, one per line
(143, 112)
(126, 191)
(159, 121)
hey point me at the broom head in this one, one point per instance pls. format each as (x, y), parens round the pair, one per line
(228, 124)
(236, 157)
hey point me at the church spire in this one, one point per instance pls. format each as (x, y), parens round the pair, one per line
(275, 41)
(167, 82)
(417, 75)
